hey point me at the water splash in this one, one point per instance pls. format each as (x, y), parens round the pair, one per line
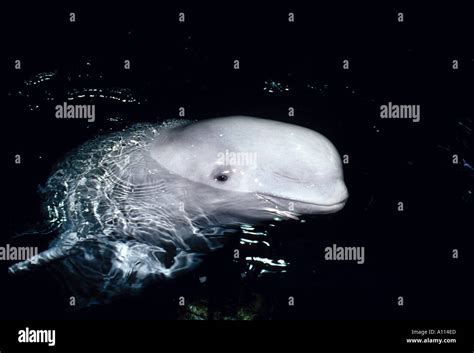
(123, 95)
(120, 222)
(272, 86)
(40, 78)
(41, 90)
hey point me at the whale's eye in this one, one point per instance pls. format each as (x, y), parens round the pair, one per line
(222, 178)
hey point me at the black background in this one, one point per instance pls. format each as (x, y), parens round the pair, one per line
(191, 65)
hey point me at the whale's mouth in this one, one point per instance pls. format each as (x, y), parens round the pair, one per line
(297, 207)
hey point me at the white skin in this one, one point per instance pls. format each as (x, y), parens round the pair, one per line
(292, 168)
(185, 192)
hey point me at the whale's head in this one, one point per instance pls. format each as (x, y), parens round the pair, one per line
(255, 168)
(162, 196)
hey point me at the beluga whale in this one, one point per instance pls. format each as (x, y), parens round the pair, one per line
(149, 202)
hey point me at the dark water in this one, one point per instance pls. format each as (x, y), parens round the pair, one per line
(282, 65)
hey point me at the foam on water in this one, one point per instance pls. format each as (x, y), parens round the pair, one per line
(120, 218)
